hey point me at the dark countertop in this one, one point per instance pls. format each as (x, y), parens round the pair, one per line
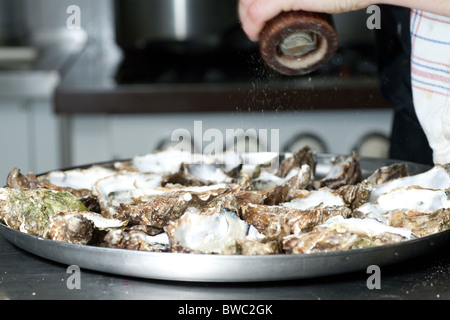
(26, 276)
(309, 93)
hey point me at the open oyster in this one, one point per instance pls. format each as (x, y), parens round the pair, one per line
(79, 227)
(155, 211)
(421, 224)
(437, 178)
(119, 188)
(198, 175)
(135, 239)
(163, 162)
(345, 170)
(275, 189)
(77, 178)
(283, 220)
(217, 233)
(339, 234)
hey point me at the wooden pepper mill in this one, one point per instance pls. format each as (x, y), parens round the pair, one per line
(298, 42)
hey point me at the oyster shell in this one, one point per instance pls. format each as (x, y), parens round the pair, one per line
(135, 240)
(323, 198)
(198, 175)
(437, 178)
(119, 188)
(259, 245)
(77, 178)
(339, 234)
(29, 210)
(288, 219)
(410, 198)
(345, 170)
(166, 161)
(197, 233)
(78, 227)
(301, 157)
(156, 211)
(18, 180)
(388, 173)
(421, 224)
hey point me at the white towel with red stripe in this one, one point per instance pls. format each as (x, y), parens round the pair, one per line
(430, 78)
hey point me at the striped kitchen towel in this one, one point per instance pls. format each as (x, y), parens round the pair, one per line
(430, 79)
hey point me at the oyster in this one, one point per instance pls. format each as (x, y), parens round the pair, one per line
(155, 212)
(78, 227)
(257, 245)
(344, 171)
(198, 175)
(424, 211)
(344, 234)
(71, 227)
(421, 224)
(119, 188)
(167, 161)
(289, 219)
(410, 198)
(17, 180)
(217, 233)
(135, 239)
(29, 181)
(355, 195)
(437, 178)
(77, 178)
(323, 197)
(266, 180)
(301, 157)
(29, 210)
(388, 173)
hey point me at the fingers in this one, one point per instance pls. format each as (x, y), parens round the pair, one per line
(255, 13)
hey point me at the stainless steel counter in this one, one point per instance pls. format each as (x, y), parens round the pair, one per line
(25, 276)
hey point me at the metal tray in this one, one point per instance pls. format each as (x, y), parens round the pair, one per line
(230, 268)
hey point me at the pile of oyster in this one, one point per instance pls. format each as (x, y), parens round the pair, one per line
(253, 203)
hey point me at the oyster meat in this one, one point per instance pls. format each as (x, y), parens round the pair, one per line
(437, 178)
(119, 188)
(77, 178)
(197, 233)
(166, 161)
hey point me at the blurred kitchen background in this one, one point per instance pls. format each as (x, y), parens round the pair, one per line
(136, 70)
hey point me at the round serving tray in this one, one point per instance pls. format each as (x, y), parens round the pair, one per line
(230, 268)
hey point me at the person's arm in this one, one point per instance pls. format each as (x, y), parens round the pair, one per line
(255, 13)
(439, 7)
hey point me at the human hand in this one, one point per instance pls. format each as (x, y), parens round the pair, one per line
(255, 13)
